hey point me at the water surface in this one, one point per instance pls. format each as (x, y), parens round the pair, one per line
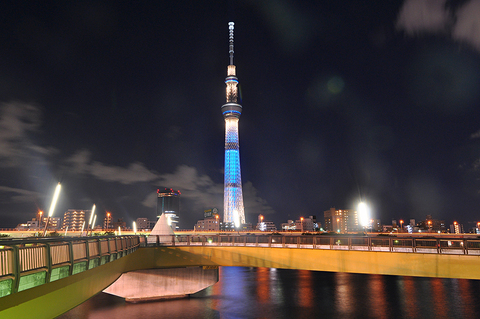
(280, 293)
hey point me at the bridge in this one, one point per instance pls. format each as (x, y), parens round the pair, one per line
(47, 277)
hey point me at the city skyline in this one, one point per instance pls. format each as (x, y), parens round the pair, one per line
(344, 101)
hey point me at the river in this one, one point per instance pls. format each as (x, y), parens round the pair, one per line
(280, 293)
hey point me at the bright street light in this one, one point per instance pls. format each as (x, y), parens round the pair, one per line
(91, 218)
(54, 200)
(93, 223)
(363, 214)
(52, 206)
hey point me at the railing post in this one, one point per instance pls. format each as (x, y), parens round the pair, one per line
(283, 241)
(16, 268)
(49, 262)
(331, 242)
(188, 240)
(256, 241)
(245, 241)
(70, 250)
(87, 252)
(369, 243)
(269, 241)
(314, 242)
(439, 250)
(390, 244)
(349, 243)
(465, 249)
(414, 245)
(173, 240)
(298, 241)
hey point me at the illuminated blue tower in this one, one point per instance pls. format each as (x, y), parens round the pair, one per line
(233, 211)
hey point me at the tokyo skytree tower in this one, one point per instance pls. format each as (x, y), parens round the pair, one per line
(233, 210)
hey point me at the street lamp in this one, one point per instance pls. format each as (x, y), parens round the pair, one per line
(401, 225)
(91, 218)
(40, 214)
(93, 224)
(364, 215)
(52, 206)
(301, 222)
(108, 221)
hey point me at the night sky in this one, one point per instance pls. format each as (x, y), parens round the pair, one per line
(342, 101)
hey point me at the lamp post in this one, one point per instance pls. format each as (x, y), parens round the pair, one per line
(91, 218)
(401, 225)
(301, 222)
(40, 215)
(52, 206)
(93, 224)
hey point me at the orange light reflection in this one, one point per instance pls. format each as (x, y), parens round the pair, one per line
(263, 284)
(378, 302)
(411, 306)
(305, 291)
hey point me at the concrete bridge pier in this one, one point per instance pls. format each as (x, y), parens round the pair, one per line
(155, 284)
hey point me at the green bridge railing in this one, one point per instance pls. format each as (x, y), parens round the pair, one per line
(28, 263)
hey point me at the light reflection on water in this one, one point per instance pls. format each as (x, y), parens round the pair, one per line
(281, 293)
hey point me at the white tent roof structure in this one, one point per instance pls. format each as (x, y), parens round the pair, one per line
(162, 230)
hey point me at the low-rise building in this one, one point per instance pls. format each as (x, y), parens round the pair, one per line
(265, 225)
(145, 224)
(36, 224)
(288, 226)
(208, 224)
(306, 224)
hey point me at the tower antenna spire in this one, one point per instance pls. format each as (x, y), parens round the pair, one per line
(230, 40)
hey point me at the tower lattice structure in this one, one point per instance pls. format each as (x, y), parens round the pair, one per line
(233, 196)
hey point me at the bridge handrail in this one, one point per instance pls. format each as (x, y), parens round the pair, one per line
(453, 245)
(30, 262)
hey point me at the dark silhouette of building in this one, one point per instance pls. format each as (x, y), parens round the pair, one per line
(168, 203)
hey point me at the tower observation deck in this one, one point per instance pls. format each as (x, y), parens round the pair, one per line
(233, 209)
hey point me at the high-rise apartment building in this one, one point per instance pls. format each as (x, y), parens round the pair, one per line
(168, 203)
(74, 219)
(341, 220)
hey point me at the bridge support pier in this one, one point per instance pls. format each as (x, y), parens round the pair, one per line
(155, 284)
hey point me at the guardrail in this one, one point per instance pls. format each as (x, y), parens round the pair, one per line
(27, 263)
(457, 246)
